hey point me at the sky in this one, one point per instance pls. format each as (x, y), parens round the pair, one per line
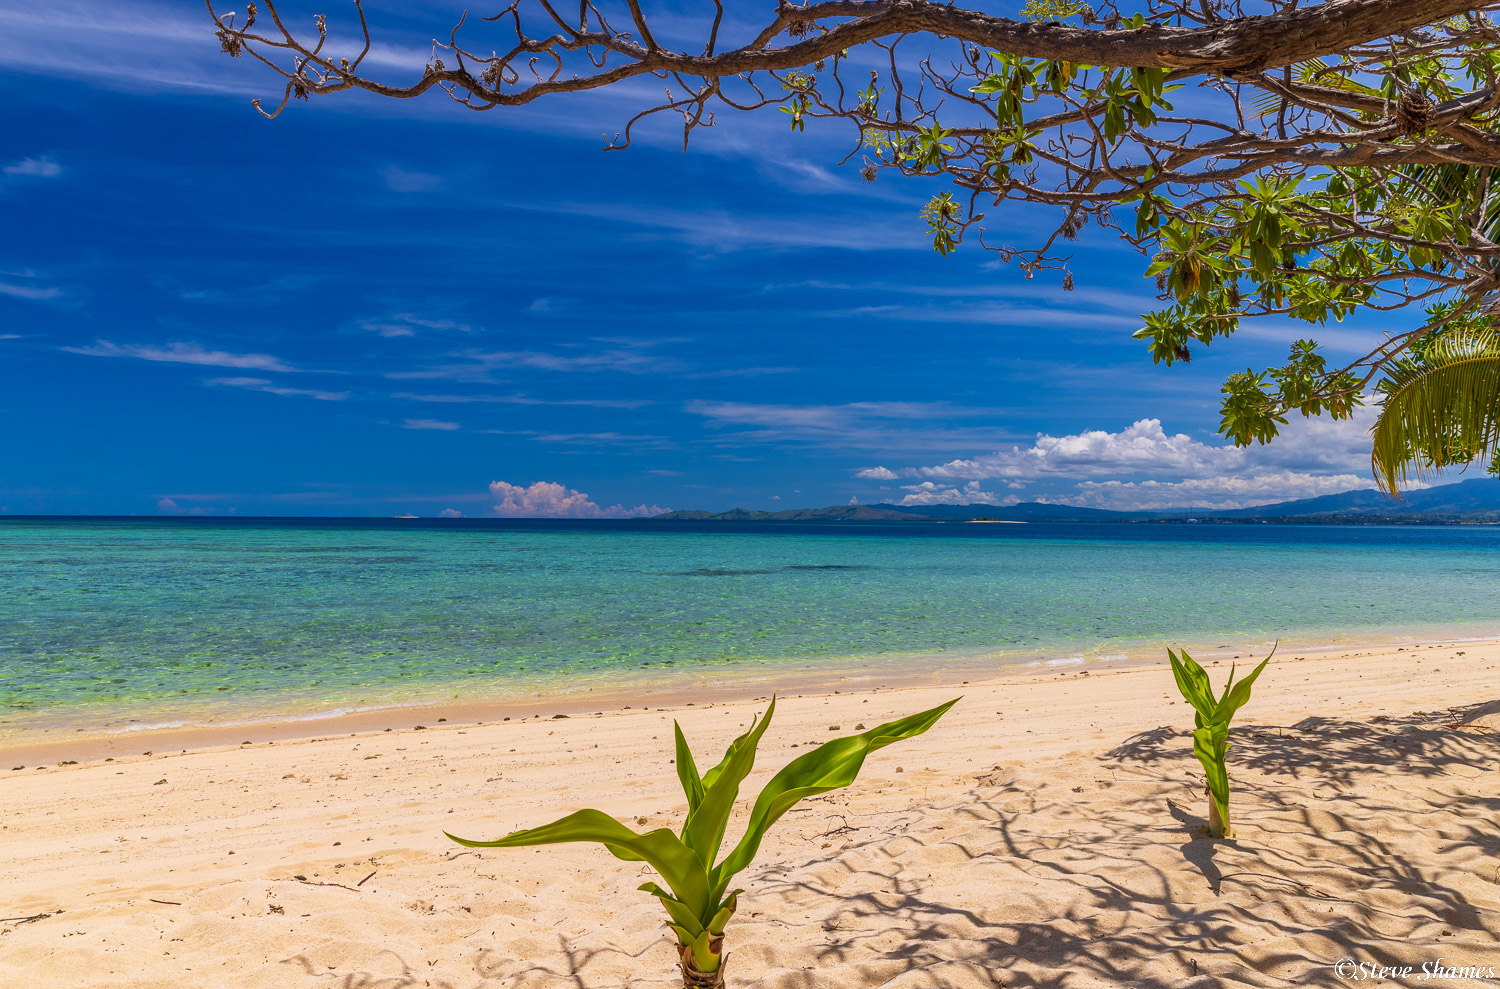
(377, 307)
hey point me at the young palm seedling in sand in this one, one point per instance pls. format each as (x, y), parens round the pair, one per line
(700, 902)
(1211, 729)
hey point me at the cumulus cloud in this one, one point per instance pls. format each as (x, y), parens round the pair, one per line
(182, 353)
(168, 506)
(548, 499)
(450, 513)
(1143, 467)
(928, 493)
(1145, 447)
(261, 384)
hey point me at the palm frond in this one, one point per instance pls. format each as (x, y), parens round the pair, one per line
(1316, 72)
(1442, 410)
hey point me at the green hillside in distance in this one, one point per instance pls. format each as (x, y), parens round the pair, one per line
(1476, 500)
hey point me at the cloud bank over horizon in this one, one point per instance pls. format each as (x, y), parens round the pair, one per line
(1144, 468)
(550, 500)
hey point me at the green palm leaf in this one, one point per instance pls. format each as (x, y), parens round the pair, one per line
(1314, 72)
(1439, 411)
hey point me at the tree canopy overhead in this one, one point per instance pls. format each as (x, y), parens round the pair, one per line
(1266, 157)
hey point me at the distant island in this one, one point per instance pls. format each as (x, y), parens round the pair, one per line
(1471, 502)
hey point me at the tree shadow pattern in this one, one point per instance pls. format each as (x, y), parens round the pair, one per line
(1367, 840)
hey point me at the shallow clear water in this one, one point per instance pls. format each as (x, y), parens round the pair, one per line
(289, 614)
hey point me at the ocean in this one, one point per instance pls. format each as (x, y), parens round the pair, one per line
(112, 623)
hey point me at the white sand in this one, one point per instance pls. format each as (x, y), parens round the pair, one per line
(1046, 833)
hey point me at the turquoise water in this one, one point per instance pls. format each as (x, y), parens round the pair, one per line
(100, 617)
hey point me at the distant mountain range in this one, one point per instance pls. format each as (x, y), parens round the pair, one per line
(1474, 500)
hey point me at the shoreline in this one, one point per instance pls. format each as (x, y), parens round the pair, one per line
(1048, 831)
(172, 731)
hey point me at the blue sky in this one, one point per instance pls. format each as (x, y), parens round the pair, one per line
(368, 307)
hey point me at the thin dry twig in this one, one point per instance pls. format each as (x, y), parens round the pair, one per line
(18, 921)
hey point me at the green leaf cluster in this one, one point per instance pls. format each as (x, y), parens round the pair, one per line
(1126, 97)
(697, 897)
(944, 222)
(800, 85)
(1315, 243)
(1042, 11)
(1252, 403)
(1271, 248)
(1211, 719)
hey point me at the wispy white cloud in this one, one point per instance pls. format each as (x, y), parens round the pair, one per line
(720, 231)
(1343, 338)
(405, 324)
(401, 180)
(853, 425)
(437, 424)
(34, 292)
(548, 499)
(183, 353)
(827, 416)
(483, 366)
(1215, 492)
(600, 403)
(35, 168)
(990, 314)
(1114, 300)
(633, 441)
(261, 384)
(630, 361)
(162, 46)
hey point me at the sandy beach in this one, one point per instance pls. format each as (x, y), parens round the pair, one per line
(1048, 832)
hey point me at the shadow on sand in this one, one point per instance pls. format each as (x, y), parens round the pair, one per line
(1356, 839)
